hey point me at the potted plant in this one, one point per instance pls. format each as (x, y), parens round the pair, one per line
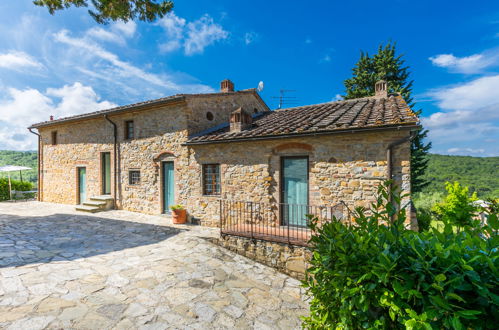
(179, 214)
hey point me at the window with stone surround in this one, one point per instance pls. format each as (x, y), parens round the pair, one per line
(129, 130)
(54, 138)
(133, 177)
(211, 179)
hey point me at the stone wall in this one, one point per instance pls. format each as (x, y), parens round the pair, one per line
(160, 132)
(344, 167)
(288, 259)
(220, 109)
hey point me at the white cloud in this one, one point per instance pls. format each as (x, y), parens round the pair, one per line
(21, 108)
(325, 59)
(99, 33)
(465, 151)
(469, 117)
(250, 37)
(477, 93)
(116, 33)
(202, 33)
(469, 64)
(16, 60)
(127, 29)
(124, 69)
(174, 28)
(337, 97)
(194, 36)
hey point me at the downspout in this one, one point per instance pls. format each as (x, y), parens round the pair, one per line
(389, 159)
(39, 163)
(115, 133)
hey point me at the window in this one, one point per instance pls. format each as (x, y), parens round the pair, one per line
(129, 130)
(211, 179)
(209, 116)
(54, 138)
(134, 177)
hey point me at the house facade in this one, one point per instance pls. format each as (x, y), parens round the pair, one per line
(196, 149)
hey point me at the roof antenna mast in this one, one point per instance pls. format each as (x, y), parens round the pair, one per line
(285, 100)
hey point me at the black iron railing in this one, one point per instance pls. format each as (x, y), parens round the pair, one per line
(286, 223)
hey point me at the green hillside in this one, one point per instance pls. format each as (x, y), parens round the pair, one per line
(480, 174)
(21, 158)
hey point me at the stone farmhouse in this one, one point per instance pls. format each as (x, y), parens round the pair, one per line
(199, 149)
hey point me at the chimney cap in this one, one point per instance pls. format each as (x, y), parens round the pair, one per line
(226, 86)
(381, 89)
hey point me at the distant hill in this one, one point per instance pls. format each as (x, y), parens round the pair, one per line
(21, 158)
(480, 174)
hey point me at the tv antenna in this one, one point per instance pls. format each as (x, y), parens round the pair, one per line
(285, 100)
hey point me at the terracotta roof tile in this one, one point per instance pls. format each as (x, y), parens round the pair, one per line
(360, 113)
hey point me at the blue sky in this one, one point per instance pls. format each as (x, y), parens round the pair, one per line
(67, 64)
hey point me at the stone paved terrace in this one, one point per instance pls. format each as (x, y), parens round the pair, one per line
(60, 269)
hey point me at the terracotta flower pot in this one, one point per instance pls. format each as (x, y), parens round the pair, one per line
(179, 216)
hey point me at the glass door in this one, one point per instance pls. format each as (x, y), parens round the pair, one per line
(294, 190)
(82, 185)
(168, 186)
(106, 173)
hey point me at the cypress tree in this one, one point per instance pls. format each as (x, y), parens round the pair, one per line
(387, 65)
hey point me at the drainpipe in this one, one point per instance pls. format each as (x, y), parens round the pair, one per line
(39, 163)
(115, 133)
(389, 159)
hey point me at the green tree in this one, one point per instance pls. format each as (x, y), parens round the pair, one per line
(113, 10)
(457, 208)
(387, 65)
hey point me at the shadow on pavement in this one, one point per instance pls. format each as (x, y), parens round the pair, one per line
(27, 240)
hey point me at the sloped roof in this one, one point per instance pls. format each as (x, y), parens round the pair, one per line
(355, 114)
(138, 106)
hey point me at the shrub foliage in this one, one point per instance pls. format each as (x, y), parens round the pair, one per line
(376, 274)
(16, 185)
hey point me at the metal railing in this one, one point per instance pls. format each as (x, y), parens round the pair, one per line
(285, 223)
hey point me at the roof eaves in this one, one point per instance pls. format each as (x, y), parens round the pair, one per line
(112, 111)
(412, 126)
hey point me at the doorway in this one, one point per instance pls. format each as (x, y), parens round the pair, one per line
(82, 185)
(294, 190)
(167, 185)
(106, 173)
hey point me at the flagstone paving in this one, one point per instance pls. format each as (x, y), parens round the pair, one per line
(61, 269)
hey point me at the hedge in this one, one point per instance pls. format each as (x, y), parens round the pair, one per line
(16, 185)
(377, 274)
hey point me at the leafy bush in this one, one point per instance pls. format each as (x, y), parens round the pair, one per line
(377, 274)
(425, 217)
(457, 208)
(16, 185)
(426, 201)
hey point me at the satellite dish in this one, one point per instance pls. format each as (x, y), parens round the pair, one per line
(260, 86)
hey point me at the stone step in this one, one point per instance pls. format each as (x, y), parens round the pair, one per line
(90, 209)
(102, 198)
(95, 203)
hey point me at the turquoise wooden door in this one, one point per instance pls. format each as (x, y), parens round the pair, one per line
(106, 173)
(168, 186)
(82, 184)
(294, 185)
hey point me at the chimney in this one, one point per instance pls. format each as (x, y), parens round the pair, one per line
(240, 120)
(51, 118)
(381, 89)
(226, 86)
